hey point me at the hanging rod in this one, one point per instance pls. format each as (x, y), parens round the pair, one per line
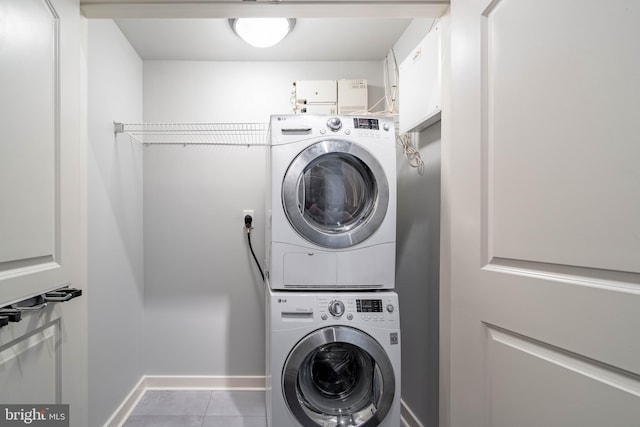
(231, 134)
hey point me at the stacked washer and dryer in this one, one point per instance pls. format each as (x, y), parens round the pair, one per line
(332, 318)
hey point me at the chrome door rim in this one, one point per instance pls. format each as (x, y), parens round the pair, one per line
(364, 228)
(338, 334)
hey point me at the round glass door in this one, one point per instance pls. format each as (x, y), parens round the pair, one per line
(338, 376)
(335, 194)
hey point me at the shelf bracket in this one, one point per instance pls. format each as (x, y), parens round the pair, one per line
(118, 127)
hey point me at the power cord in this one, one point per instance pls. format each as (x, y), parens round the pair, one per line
(248, 220)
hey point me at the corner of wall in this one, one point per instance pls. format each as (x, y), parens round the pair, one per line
(114, 219)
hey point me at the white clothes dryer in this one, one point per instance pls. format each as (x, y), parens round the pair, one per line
(332, 359)
(331, 197)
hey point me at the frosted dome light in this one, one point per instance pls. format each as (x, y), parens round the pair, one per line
(262, 32)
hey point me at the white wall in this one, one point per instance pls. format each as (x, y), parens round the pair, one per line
(418, 258)
(417, 276)
(201, 91)
(204, 307)
(114, 187)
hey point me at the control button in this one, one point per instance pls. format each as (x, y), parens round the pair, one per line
(386, 126)
(324, 316)
(323, 131)
(347, 132)
(336, 308)
(390, 308)
(349, 316)
(334, 123)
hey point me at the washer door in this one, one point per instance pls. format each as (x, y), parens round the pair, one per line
(335, 194)
(338, 376)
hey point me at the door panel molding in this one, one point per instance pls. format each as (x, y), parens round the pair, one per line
(12, 266)
(539, 173)
(531, 383)
(31, 261)
(626, 381)
(486, 166)
(592, 277)
(30, 360)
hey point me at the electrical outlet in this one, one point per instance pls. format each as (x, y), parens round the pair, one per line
(249, 212)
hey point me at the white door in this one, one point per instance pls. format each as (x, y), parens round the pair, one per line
(544, 187)
(43, 356)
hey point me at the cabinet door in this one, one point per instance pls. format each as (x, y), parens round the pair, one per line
(545, 213)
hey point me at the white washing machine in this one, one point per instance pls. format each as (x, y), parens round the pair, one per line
(332, 359)
(331, 197)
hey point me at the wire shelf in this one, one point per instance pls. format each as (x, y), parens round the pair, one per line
(234, 134)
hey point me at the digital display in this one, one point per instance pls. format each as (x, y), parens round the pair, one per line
(362, 123)
(369, 305)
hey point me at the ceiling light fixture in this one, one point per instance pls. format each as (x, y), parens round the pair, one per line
(262, 32)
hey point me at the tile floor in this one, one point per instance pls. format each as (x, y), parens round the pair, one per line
(199, 408)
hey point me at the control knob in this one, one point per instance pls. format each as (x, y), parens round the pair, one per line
(336, 308)
(334, 123)
(390, 308)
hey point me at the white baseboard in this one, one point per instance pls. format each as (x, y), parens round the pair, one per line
(407, 417)
(175, 382)
(122, 413)
(202, 382)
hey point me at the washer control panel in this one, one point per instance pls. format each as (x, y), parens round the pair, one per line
(361, 308)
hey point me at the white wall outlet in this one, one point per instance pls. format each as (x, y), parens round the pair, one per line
(250, 212)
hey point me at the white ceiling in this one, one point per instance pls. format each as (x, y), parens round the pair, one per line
(313, 39)
(327, 30)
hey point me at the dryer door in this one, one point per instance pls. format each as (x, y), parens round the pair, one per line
(335, 194)
(338, 376)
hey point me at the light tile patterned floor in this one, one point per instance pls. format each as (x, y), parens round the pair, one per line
(199, 408)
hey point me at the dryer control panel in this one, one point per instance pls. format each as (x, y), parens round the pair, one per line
(292, 128)
(365, 123)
